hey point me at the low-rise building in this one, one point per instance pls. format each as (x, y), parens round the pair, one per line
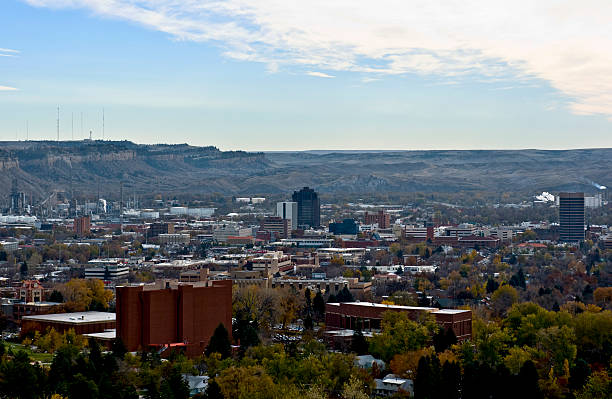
(80, 322)
(368, 316)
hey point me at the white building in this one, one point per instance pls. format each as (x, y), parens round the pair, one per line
(9, 246)
(222, 232)
(107, 270)
(174, 238)
(289, 211)
(593, 202)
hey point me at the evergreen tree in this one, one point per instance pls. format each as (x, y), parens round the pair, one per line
(308, 299)
(213, 391)
(492, 285)
(528, 381)
(118, 348)
(450, 381)
(345, 295)
(332, 299)
(318, 305)
(220, 343)
(579, 374)
(23, 270)
(359, 344)
(174, 385)
(56, 296)
(308, 323)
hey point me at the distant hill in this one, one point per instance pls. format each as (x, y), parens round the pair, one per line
(83, 166)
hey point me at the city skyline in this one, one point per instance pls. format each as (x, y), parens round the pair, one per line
(266, 76)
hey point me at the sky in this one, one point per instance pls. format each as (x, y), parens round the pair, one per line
(299, 75)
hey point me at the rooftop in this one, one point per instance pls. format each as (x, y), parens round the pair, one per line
(74, 318)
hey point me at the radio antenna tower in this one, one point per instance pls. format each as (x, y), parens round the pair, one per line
(102, 124)
(58, 121)
(27, 130)
(72, 124)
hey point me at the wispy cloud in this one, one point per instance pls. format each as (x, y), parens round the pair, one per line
(319, 74)
(6, 52)
(564, 43)
(7, 88)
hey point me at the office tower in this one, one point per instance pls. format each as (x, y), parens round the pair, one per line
(571, 217)
(288, 211)
(309, 208)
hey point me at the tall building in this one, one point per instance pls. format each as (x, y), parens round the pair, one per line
(382, 218)
(309, 207)
(82, 225)
(160, 228)
(288, 211)
(177, 315)
(571, 217)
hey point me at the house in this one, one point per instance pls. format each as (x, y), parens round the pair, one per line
(391, 384)
(197, 383)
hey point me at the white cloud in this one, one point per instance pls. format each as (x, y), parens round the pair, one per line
(7, 88)
(564, 42)
(319, 74)
(7, 52)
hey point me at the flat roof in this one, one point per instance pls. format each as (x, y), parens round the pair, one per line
(399, 307)
(74, 318)
(107, 334)
(381, 305)
(451, 311)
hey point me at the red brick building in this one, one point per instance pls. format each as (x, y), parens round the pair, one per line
(82, 225)
(382, 218)
(369, 315)
(31, 291)
(182, 314)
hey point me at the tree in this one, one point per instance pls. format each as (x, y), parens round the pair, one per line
(23, 270)
(318, 305)
(518, 280)
(82, 387)
(308, 299)
(558, 344)
(450, 380)
(598, 386)
(220, 343)
(56, 296)
(603, 297)
(345, 295)
(427, 383)
(399, 334)
(503, 298)
(354, 389)
(359, 344)
(527, 381)
(174, 385)
(81, 295)
(213, 391)
(405, 364)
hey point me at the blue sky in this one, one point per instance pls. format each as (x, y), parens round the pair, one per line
(276, 75)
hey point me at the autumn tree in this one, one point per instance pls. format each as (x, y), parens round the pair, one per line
(399, 334)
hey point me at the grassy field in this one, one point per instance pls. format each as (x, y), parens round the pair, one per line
(39, 357)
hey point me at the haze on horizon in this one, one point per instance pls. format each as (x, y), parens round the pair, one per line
(270, 75)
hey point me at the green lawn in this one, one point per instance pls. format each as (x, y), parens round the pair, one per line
(39, 357)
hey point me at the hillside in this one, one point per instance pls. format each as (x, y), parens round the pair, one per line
(85, 166)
